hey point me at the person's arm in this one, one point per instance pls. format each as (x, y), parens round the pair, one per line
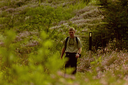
(80, 50)
(79, 53)
(62, 52)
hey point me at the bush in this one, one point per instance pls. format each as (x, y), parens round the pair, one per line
(39, 68)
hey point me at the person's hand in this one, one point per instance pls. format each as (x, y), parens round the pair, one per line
(77, 55)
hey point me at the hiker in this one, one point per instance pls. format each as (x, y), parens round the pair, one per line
(72, 48)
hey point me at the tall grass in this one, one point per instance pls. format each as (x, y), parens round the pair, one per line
(106, 68)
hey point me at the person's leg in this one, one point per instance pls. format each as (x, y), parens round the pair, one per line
(67, 64)
(72, 62)
(74, 65)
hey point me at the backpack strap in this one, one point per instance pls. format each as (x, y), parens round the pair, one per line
(77, 40)
(66, 42)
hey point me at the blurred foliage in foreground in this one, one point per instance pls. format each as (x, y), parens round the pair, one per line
(38, 67)
(45, 66)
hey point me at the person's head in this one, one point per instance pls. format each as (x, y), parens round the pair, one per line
(71, 32)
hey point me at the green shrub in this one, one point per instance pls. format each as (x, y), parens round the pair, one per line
(39, 66)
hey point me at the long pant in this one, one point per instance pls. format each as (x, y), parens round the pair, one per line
(72, 62)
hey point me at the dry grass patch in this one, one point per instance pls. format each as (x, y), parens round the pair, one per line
(115, 63)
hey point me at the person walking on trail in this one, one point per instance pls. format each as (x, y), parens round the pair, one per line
(72, 48)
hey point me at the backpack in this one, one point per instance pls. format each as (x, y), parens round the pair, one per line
(67, 40)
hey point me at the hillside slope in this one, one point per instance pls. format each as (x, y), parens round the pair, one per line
(13, 16)
(85, 18)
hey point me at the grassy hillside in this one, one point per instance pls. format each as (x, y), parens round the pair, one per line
(31, 38)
